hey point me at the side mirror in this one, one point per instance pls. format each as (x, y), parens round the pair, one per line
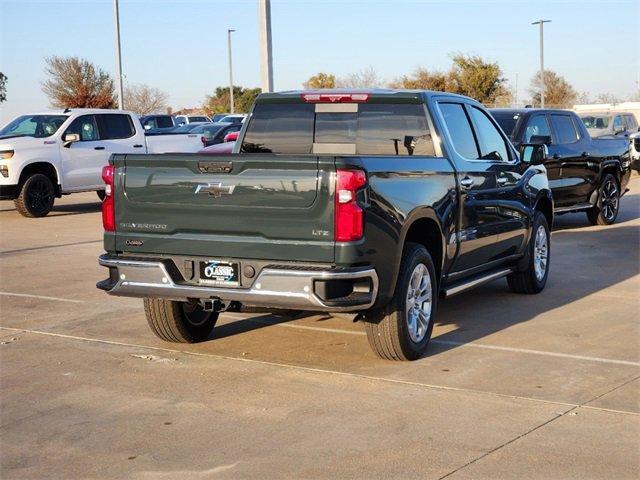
(70, 138)
(147, 127)
(410, 143)
(534, 153)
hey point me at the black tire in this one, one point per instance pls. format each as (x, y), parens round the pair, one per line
(388, 330)
(36, 197)
(179, 322)
(101, 195)
(606, 209)
(527, 279)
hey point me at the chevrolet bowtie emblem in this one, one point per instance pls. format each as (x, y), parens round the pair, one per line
(215, 189)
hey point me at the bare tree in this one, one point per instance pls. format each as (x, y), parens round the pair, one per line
(3, 87)
(366, 78)
(143, 99)
(558, 92)
(77, 83)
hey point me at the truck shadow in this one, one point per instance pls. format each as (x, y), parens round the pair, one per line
(75, 209)
(584, 262)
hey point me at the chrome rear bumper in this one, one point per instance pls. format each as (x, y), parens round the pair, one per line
(273, 287)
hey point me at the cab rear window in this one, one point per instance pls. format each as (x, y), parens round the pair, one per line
(375, 129)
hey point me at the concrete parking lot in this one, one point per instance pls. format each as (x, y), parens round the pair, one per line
(544, 386)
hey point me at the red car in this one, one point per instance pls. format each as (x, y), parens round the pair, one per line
(222, 148)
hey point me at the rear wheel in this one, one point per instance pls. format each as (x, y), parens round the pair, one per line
(179, 322)
(403, 329)
(533, 278)
(606, 209)
(36, 196)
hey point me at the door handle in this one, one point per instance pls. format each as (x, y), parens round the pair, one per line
(466, 183)
(137, 146)
(98, 148)
(502, 180)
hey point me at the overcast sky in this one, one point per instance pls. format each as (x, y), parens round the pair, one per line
(180, 46)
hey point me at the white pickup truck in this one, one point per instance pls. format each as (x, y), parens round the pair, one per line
(47, 155)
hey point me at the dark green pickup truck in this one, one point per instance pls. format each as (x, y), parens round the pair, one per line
(373, 202)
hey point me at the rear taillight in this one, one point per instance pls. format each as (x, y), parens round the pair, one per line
(231, 137)
(335, 97)
(108, 205)
(349, 216)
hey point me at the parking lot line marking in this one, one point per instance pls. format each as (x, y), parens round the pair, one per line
(463, 344)
(45, 247)
(41, 297)
(315, 370)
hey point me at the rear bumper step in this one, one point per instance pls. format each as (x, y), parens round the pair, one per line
(273, 287)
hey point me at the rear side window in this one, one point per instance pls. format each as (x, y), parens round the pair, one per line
(115, 126)
(460, 129)
(565, 129)
(280, 128)
(164, 122)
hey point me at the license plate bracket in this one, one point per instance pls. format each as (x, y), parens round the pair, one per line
(219, 273)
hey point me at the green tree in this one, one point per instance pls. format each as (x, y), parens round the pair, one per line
(220, 102)
(472, 76)
(423, 79)
(74, 82)
(3, 87)
(321, 80)
(558, 93)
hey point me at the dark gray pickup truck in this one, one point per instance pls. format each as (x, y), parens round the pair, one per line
(373, 202)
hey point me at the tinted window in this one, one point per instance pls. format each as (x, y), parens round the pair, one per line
(536, 126)
(591, 121)
(564, 128)
(280, 128)
(459, 129)
(198, 119)
(631, 122)
(84, 126)
(164, 122)
(393, 129)
(116, 126)
(506, 120)
(492, 145)
(336, 127)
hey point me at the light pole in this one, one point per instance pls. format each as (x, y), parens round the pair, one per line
(541, 23)
(116, 20)
(266, 58)
(229, 31)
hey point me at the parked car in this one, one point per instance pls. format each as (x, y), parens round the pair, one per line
(186, 119)
(585, 174)
(150, 122)
(376, 203)
(219, 116)
(609, 124)
(46, 155)
(634, 146)
(212, 133)
(233, 119)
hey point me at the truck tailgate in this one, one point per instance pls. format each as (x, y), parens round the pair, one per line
(259, 206)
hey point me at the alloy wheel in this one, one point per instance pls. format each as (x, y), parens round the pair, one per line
(419, 303)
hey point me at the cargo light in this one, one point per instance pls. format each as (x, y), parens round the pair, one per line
(335, 97)
(349, 218)
(108, 204)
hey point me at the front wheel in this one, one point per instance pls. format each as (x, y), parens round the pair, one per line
(402, 330)
(36, 196)
(533, 277)
(179, 322)
(606, 209)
